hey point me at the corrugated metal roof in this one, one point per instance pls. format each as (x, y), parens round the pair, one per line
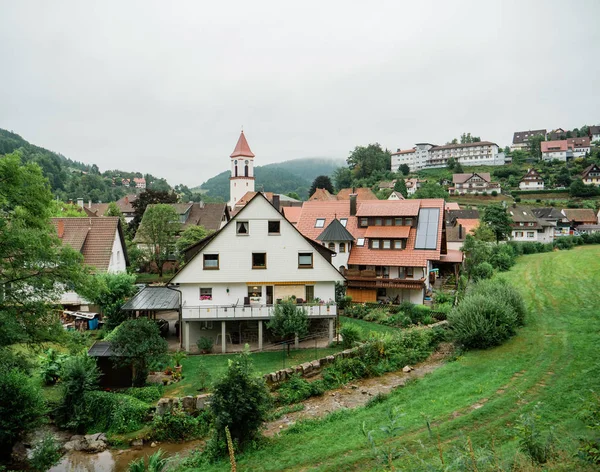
(153, 299)
(101, 349)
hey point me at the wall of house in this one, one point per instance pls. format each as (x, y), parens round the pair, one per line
(559, 155)
(454, 245)
(117, 257)
(527, 185)
(235, 260)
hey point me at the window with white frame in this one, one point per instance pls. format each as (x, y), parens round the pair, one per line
(360, 242)
(320, 222)
(242, 228)
(211, 261)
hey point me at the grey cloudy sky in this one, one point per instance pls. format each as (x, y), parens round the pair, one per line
(164, 87)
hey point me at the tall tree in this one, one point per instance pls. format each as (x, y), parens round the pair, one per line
(404, 169)
(34, 266)
(365, 160)
(148, 197)
(400, 186)
(157, 233)
(535, 146)
(321, 181)
(191, 235)
(466, 138)
(342, 177)
(498, 220)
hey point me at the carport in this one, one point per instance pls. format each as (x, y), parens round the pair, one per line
(152, 300)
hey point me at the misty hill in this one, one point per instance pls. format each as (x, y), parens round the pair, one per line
(296, 175)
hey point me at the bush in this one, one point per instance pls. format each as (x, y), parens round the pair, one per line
(79, 375)
(350, 336)
(205, 344)
(502, 290)
(114, 412)
(176, 425)
(419, 313)
(241, 402)
(481, 321)
(45, 454)
(357, 310)
(148, 394)
(483, 270)
(21, 407)
(297, 389)
(494, 193)
(50, 366)
(376, 315)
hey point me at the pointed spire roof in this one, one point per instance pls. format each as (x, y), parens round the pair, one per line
(242, 149)
(335, 231)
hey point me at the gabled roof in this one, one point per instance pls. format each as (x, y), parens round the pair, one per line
(532, 175)
(577, 215)
(522, 214)
(578, 142)
(322, 195)
(452, 215)
(590, 168)
(335, 231)
(462, 178)
(362, 192)
(594, 130)
(242, 149)
(549, 213)
(397, 195)
(209, 215)
(554, 146)
(292, 214)
(92, 237)
(388, 208)
(521, 137)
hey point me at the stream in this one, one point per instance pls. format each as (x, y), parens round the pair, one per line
(115, 460)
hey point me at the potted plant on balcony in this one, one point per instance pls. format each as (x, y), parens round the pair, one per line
(205, 345)
(177, 358)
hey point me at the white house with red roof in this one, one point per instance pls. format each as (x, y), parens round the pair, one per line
(242, 171)
(233, 278)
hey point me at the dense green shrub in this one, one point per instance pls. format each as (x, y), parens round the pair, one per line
(377, 314)
(148, 394)
(241, 402)
(205, 344)
(21, 407)
(350, 336)
(418, 313)
(45, 454)
(113, 412)
(79, 375)
(50, 366)
(481, 321)
(502, 290)
(297, 389)
(9, 360)
(176, 425)
(357, 310)
(482, 271)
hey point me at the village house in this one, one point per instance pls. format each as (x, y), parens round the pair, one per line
(521, 138)
(555, 217)
(528, 227)
(556, 150)
(323, 195)
(102, 244)
(594, 133)
(124, 204)
(139, 182)
(398, 247)
(396, 196)
(578, 217)
(460, 223)
(532, 180)
(591, 175)
(277, 200)
(412, 185)
(233, 279)
(580, 147)
(473, 183)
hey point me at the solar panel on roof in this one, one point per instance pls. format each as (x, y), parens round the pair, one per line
(427, 228)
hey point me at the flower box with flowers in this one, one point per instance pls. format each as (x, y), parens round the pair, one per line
(205, 297)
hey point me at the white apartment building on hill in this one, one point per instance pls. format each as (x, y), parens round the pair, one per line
(425, 155)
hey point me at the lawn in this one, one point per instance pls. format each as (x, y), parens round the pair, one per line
(366, 327)
(554, 361)
(264, 363)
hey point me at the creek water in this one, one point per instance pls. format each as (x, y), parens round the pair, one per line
(114, 460)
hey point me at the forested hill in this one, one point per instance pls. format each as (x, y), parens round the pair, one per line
(70, 179)
(290, 176)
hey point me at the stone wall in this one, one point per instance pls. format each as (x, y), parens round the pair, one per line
(190, 404)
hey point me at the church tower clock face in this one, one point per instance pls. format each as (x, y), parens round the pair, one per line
(235, 162)
(246, 162)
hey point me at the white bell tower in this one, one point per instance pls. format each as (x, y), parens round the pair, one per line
(242, 171)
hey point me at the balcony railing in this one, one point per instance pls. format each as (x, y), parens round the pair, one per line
(384, 282)
(248, 312)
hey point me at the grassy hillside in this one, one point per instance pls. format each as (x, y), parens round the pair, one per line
(290, 176)
(554, 360)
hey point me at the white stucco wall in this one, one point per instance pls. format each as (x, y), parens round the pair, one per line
(117, 257)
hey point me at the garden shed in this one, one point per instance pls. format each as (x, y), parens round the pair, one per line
(113, 376)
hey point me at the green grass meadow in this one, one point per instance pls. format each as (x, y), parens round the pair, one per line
(554, 360)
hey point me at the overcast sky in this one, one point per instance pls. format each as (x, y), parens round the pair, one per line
(165, 87)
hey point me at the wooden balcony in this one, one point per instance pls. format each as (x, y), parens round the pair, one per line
(249, 312)
(384, 282)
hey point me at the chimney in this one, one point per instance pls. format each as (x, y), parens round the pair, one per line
(90, 204)
(80, 202)
(276, 202)
(126, 200)
(353, 204)
(460, 231)
(61, 228)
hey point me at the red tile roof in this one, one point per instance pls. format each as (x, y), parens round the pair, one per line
(387, 232)
(363, 194)
(322, 195)
(292, 214)
(554, 146)
(93, 237)
(389, 208)
(406, 151)
(452, 206)
(462, 178)
(242, 149)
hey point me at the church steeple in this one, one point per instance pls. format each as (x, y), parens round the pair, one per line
(242, 149)
(242, 171)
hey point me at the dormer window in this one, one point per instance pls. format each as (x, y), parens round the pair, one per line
(364, 222)
(344, 221)
(360, 242)
(320, 222)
